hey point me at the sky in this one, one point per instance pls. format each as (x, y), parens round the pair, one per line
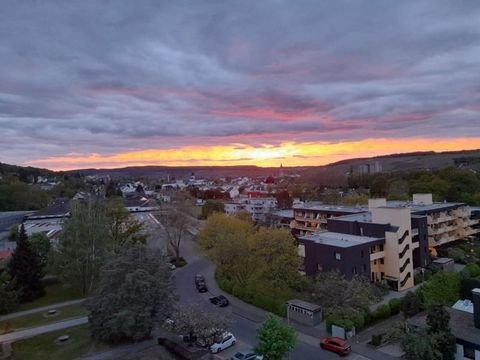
(117, 83)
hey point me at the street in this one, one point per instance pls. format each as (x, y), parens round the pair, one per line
(244, 318)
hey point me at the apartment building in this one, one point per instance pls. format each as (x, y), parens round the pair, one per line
(385, 241)
(312, 217)
(257, 207)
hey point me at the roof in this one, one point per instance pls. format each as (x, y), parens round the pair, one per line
(464, 305)
(284, 213)
(442, 261)
(331, 208)
(340, 240)
(424, 208)
(461, 324)
(58, 207)
(304, 305)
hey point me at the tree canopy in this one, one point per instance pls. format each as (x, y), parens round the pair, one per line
(135, 291)
(275, 339)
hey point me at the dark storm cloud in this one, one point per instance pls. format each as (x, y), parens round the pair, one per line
(115, 76)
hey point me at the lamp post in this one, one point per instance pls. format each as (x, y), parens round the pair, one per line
(288, 322)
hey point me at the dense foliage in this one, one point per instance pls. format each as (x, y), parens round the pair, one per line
(257, 265)
(275, 339)
(9, 297)
(450, 184)
(134, 292)
(25, 269)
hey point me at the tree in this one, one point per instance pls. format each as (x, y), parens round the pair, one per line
(284, 200)
(193, 321)
(438, 321)
(332, 290)
(411, 304)
(83, 245)
(9, 297)
(175, 224)
(443, 288)
(275, 339)
(134, 292)
(122, 227)
(210, 207)
(25, 268)
(419, 346)
(40, 244)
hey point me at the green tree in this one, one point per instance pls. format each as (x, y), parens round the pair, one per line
(443, 288)
(332, 290)
(134, 292)
(411, 304)
(419, 346)
(275, 339)
(122, 227)
(9, 297)
(40, 244)
(438, 321)
(83, 245)
(25, 268)
(212, 206)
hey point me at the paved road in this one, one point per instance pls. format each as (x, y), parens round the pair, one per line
(41, 309)
(31, 332)
(244, 318)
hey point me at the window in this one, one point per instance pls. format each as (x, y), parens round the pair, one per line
(381, 247)
(338, 256)
(320, 267)
(382, 275)
(374, 262)
(361, 253)
(382, 261)
(468, 352)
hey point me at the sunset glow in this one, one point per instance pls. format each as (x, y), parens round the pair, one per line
(287, 154)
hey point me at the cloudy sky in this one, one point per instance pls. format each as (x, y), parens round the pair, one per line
(114, 83)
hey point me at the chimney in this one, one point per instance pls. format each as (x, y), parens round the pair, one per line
(476, 307)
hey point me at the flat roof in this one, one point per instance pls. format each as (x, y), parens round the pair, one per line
(304, 305)
(284, 213)
(339, 239)
(420, 207)
(330, 208)
(361, 217)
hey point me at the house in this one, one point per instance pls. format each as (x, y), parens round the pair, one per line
(465, 326)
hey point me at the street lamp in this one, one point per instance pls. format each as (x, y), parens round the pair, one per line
(288, 322)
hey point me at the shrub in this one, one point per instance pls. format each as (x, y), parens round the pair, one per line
(411, 304)
(394, 305)
(472, 270)
(377, 340)
(382, 312)
(335, 319)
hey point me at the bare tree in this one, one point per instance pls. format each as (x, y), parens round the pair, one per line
(175, 224)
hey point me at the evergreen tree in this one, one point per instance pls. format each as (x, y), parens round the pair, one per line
(8, 295)
(25, 269)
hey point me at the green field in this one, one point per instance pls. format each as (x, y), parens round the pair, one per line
(44, 347)
(39, 318)
(55, 293)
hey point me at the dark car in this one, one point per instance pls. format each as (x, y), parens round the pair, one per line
(246, 355)
(200, 283)
(336, 344)
(220, 300)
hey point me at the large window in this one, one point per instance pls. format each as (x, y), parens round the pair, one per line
(338, 256)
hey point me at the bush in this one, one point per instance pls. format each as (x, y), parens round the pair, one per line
(471, 270)
(411, 304)
(178, 261)
(377, 340)
(394, 305)
(382, 312)
(335, 319)
(347, 320)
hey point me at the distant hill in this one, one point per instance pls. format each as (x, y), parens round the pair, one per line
(331, 175)
(23, 173)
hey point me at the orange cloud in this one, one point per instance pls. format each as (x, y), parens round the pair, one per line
(288, 153)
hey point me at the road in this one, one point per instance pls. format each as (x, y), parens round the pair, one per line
(27, 333)
(244, 318)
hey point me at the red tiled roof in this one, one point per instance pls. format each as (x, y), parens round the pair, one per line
(5, 254)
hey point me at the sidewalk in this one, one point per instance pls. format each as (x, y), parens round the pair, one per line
(38, 330)
(41, 309)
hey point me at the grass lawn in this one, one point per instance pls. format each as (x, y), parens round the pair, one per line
(44, 347)
(39, 318)
(55, 293)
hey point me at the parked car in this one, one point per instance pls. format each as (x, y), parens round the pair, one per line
(200, 283)
(336, 344)
(227, 341)
(246, 355)
(220, 300)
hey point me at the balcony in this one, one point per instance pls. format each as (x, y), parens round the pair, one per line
(377, 255)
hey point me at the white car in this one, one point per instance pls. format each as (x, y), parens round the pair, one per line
(227, 341)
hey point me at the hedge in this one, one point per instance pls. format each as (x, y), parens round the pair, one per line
(394, 305)
(267, 303)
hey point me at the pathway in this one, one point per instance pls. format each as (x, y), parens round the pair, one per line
(38, 330)
(41, 309)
